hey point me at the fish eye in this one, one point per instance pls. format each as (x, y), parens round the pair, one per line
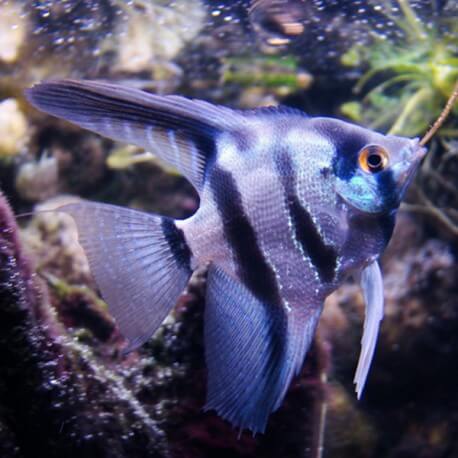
(373, 158)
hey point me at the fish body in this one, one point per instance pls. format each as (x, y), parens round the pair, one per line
(290, 207)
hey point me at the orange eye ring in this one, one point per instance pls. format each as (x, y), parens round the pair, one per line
(373, 158)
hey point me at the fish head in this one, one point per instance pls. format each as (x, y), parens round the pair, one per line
(372, 171)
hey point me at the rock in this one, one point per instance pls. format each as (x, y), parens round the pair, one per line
(349, 431)
(13, 29)
(151, 32)
(52, 239)
(38, 180)
(13, 128)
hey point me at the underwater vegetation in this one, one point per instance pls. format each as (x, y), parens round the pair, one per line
(281, 75)
(408, 78)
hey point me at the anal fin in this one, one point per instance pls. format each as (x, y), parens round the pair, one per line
(253, 350)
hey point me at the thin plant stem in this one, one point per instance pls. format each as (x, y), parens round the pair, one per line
(442, 117)
(394, 80)
(412, 20)
(411, 105)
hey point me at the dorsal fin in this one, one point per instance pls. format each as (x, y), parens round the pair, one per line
(180, 131)
(274, 111)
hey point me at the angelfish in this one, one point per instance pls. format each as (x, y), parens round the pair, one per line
(290, 206)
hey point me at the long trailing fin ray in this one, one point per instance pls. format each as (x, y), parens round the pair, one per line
(180, 131)
(139, 293)
(252, 351)
(372, 287)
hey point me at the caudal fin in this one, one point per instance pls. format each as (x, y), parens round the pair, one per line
(141, 264)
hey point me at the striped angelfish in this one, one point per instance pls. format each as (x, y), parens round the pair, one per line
(289, 207)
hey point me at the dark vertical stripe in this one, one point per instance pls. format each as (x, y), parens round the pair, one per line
(345, 160)
(322, 256)
(347, 145)
(206, 145)
(256, 274)
(386, 186)
(254, 271)
(177, 243)
(386, 222)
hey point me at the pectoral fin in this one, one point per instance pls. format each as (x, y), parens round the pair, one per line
(372, 286)
(253, 350)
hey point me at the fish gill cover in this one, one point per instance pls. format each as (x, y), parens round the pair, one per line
(66, 388)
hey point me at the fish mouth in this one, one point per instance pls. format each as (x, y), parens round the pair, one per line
(410, 165)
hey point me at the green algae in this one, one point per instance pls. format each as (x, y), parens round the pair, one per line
(408, 79)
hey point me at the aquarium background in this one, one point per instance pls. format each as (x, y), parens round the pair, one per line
(66, 389)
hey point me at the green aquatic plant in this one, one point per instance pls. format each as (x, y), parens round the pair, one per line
(281, 75)
(408, 79)
(127, 156)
